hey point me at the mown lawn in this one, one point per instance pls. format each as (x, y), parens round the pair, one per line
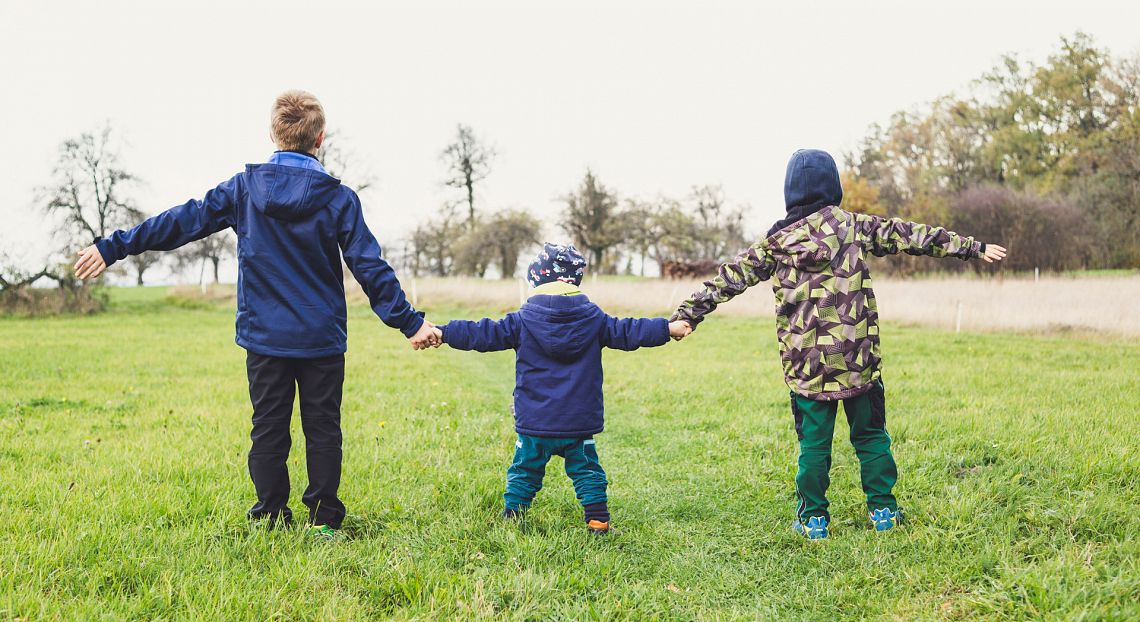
(123, 483)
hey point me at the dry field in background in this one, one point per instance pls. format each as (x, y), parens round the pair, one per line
(1109, 304)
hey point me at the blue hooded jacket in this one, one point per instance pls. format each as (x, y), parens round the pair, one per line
(558, 362)
(293, 222)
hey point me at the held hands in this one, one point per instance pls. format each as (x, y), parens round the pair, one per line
(90, 263)
(428, 336)
(679, 329)
(993, 253)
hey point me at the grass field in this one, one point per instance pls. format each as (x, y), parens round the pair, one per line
(123, 483)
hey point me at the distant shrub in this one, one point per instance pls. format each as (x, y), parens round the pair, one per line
(43, 301)
(1046, 232)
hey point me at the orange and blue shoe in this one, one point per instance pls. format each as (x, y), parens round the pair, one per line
(883, 519)
(597, 527)
(814, 529)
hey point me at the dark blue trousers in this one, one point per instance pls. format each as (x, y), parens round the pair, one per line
(273, 383)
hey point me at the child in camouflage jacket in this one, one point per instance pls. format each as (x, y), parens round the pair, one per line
(827, 325)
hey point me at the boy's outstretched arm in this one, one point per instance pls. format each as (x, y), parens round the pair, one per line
(887, 236)
(749, 268)
(485, 335)
(362, 255)
(169, 230)
(630, 333)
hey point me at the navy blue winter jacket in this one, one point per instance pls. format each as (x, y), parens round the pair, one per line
(292, 225)
(558, 363)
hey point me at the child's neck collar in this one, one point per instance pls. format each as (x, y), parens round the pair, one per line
(556, 288)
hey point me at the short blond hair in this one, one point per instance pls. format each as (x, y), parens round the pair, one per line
(297, 120)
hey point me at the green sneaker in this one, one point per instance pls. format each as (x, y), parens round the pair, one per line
(324, 533)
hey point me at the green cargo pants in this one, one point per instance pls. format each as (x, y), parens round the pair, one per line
(524, 477)
(815, 427)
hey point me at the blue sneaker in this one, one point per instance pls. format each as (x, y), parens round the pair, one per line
(814, 529)
(884, 519)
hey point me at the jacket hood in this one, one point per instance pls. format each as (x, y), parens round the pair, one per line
(565, 327)
(289, 192)
(811, 183)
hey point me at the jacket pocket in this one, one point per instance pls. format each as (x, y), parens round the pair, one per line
(878, 406)
(797, 416)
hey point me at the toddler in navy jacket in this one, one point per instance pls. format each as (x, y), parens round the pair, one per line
(558, 336)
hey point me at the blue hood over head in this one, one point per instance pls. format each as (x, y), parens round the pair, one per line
(290, 193)
(564, 327)
(810, 184)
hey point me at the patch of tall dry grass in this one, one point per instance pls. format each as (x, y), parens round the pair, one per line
(1109, 304)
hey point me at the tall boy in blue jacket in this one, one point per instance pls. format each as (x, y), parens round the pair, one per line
(293, 222)
(558, 336)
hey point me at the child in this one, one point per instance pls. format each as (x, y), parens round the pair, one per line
(558, 336)
(293, 222)
(827, 325)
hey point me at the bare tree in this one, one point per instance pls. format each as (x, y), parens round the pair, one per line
(468, 162)
(642, 230)
(510, 231)
(341, 162)
(17, 295)
(432, 249)
(88, 189)
(143, 262)
(471, 251)
(592, 219)
(209, 251)
(720, 232)
(12, 277)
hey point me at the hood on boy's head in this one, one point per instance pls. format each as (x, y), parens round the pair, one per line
(812, 180)
(810, 184)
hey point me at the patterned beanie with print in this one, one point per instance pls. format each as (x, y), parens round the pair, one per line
(557, 263)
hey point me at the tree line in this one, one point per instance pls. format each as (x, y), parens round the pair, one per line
(616, 235)
(91, 194)
(1044, 157)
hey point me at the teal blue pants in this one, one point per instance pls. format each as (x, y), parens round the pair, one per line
(524, 477)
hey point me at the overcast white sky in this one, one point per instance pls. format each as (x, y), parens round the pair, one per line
(654, 96)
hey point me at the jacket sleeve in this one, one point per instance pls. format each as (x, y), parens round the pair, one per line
(629, 333)
(362, 255)
(485, 335)
(887, 236)
(749, 268)
(175, 227)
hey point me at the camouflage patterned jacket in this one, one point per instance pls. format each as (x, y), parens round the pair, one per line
(826, 318)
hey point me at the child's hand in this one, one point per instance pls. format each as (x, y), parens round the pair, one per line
(679, 330)
(428, 336)
(993, 253)
(90, 263)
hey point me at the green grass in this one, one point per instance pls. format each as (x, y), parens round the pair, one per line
(123, 484)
